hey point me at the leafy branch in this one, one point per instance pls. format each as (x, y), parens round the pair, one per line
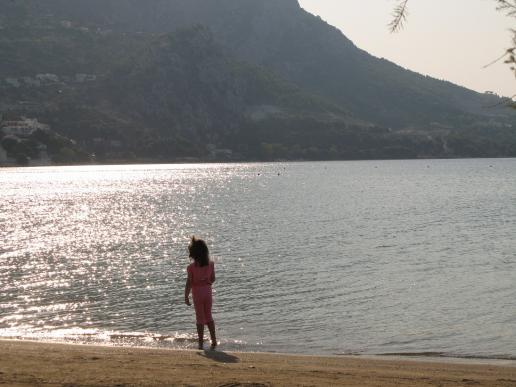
(399, 16)
(508, 6)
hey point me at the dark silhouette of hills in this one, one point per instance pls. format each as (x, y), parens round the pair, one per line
(236, 79)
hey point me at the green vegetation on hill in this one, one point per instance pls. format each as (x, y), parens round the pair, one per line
(227, 80)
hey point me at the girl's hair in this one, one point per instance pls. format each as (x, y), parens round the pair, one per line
(199, 251)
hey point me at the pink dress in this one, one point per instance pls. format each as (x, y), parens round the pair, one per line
(201, 291)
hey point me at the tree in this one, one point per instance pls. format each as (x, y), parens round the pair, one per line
(507, 6)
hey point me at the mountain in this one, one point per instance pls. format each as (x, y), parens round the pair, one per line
(237, 79)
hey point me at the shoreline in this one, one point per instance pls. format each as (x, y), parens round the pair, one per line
(440, 357)
(41, 363)
(144, 162)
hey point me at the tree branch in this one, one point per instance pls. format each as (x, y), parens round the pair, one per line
(507, 5)
(399, 16)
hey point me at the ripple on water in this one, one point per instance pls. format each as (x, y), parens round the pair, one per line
(350, 257)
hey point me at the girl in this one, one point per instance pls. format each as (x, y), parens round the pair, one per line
(201, 275)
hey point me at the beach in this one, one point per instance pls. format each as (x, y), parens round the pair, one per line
(24, 363)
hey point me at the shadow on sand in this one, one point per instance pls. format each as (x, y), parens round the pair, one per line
(221, 357)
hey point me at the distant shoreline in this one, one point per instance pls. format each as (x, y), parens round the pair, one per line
(187, 161)
(30, 363)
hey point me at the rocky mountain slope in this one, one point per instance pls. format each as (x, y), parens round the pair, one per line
(228, 79)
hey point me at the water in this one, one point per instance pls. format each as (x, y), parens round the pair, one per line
(328, 258)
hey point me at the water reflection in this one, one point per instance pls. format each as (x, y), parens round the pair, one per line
(385, 256)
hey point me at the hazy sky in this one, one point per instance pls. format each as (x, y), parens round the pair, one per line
(447, 39)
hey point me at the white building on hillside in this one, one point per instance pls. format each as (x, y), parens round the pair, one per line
(47, 78)
(24, 127)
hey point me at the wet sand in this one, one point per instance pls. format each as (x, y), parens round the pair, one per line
(29, 363)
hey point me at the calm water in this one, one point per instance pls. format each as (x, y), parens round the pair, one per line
(330, 258)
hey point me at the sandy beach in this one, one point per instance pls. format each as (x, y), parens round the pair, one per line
(30, 363)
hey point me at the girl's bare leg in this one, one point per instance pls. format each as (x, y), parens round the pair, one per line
(211, 327)
(200, 334)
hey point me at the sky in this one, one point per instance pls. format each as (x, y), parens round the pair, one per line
(446, 39)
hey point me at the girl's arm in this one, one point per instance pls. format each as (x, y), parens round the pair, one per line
(188, 287)
(212, 279)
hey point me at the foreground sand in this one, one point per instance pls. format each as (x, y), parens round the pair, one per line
(28, 363)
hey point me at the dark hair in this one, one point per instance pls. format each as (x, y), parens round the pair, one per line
(199, 251)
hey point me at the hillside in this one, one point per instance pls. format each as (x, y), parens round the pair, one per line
(232, 79)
